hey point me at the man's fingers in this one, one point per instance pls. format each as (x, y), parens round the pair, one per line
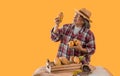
(57, 20)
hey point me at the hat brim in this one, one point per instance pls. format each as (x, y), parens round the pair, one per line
(83, 15)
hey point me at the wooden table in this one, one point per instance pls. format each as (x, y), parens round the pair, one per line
(99, 71)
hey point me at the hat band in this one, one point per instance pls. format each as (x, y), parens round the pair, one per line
(84, 14)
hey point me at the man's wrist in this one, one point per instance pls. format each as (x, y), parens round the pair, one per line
(55, 28)
(82, 49)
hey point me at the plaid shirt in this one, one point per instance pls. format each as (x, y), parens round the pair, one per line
(66, 34)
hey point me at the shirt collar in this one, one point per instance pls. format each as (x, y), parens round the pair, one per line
(82, 28)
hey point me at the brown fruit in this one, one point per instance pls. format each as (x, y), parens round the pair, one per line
(71, 59)
(64, 60)
(77, 42)
(71, 44)
(57, 61)
(61, 16)
(76, 60)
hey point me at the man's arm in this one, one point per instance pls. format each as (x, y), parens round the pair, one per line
(90, 46)
(55, 33)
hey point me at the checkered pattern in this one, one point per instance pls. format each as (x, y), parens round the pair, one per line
(66, 34)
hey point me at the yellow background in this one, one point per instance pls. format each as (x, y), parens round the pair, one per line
(25, 26)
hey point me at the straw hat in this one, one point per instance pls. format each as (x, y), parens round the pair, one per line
(85, 13)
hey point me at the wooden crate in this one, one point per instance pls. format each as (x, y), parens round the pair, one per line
(52, 68)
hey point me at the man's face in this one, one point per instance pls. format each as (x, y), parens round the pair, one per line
(78, 20)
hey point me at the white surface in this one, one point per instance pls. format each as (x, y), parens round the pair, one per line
(100, 71)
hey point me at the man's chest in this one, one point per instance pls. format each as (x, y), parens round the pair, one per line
(69, 35)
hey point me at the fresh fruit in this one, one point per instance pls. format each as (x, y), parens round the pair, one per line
(64, 60)
(76, 72)
(71, 59)
(60, 16)
(57, 61)
(76, 60)
(76, 42)
(71, 44)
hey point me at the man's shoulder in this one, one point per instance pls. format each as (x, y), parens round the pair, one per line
(69, 24)
(90, 32)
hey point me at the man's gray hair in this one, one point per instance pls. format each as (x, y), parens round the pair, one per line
(86, 24)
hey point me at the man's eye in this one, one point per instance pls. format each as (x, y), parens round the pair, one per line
(75, 16)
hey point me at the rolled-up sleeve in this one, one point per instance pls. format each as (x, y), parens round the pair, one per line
(90, 46)
(56, 36)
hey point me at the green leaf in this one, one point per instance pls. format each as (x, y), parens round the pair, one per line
(81, 57)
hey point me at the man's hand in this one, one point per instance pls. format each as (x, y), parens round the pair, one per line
(78, 46)
(75, 44)
(57, 21)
